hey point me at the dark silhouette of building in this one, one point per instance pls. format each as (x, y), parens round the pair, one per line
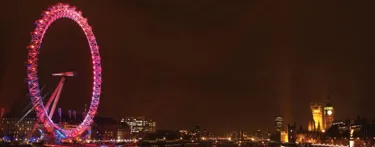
(104, 128)
(292, 133)
(123, 132)
(163, 135)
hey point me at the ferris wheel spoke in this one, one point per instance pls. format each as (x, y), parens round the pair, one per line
(56, 99)
(52, 97)
(31, 109)
(30, 104)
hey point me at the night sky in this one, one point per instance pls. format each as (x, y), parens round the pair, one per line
(225, 65)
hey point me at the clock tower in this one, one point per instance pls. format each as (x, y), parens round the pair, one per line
(328, 114)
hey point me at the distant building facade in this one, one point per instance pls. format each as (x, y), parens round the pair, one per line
(279, 123)
(11, 130)
(317, 113)
(284, 136)
(323, 116)
(140, 124)
(311, 126)
(123, 132)
(103, 128)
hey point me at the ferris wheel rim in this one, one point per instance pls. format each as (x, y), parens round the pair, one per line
(54, 13)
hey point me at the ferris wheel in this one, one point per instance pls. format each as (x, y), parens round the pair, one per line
(49, 16)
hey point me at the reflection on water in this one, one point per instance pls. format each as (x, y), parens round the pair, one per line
(166, 145)
(206, 145)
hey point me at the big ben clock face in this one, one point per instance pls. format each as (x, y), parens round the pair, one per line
(329, 112)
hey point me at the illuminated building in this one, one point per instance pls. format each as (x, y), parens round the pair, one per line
(323, 116)
(140, 124)
(317, 113)
(279, 123)
(311, 126)
(284, 136)
(328, 115)
(103, 128)
(342, 125)
(339, 122)
(13, 131)
(308, 137)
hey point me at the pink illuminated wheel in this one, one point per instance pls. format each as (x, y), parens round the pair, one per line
(56, 12)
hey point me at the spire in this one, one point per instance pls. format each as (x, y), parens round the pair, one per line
(328, 100)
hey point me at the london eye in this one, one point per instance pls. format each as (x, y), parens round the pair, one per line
(45, 112)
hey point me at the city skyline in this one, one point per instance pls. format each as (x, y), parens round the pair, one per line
(209, 65)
